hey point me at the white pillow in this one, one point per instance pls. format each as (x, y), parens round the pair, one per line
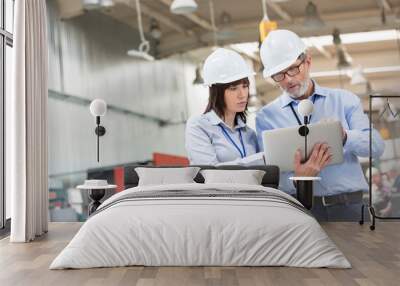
(165, 176)
(248, 177)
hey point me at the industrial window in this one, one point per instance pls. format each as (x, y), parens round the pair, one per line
(6, 44)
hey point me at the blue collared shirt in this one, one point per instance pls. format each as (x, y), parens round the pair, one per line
(337, 104)
(206, 144)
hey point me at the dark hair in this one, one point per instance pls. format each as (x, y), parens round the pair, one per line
(216, 99)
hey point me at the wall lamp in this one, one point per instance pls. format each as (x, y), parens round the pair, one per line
(98, 108)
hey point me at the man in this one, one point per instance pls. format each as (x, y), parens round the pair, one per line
(338, 196)
(380, 193)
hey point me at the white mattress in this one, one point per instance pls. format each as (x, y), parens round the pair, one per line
(189, 231)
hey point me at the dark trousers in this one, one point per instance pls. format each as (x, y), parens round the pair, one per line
(339, 212)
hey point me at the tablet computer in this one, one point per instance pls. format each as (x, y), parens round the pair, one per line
(280, 145)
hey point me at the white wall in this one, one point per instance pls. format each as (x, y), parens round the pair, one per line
(197, 95)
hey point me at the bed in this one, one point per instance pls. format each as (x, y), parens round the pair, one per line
(202, 224)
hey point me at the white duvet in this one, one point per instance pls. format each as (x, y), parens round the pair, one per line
(192, 231)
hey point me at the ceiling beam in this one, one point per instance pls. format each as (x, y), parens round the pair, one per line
(247, 31)
(370, 70)
(384, 4)
(323, 51)
(319, 48)
(368, 19)
(278, 10)
(69, 9)
(192, 17)
(331, 17)
(253, 58)
(154, 14)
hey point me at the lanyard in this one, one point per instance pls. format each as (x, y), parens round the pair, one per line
(242, 153)
(295, 114)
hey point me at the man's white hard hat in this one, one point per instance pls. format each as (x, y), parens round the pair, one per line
(374, 171)
(279, 50)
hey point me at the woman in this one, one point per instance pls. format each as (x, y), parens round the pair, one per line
(220, 135)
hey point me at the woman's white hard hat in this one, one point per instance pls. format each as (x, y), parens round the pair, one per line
(279, 50)
(225, 66)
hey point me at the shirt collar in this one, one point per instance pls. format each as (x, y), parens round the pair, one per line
(216, 120)
(318, 91)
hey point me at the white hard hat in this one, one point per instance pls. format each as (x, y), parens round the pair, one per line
(225, 66)
(374, 171)
(279, 50)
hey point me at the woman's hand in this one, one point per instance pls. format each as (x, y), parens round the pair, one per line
(320, 157)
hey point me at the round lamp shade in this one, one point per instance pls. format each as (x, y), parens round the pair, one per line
(98, 107)
(183, 6)
(306, 107)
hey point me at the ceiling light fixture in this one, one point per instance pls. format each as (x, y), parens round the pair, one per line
(183, 6)
(312, 18)
(344, 59)
(225, 32)
(266, 25)
(144, 47)
(198, 79)
(155, 30)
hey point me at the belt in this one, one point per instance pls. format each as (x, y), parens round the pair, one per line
(340, 199)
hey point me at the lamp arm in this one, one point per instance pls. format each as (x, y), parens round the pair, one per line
(98, 138)
(305, 139)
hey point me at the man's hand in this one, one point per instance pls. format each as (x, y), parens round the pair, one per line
(320, 157)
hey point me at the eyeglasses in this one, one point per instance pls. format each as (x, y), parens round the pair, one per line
(292, 71)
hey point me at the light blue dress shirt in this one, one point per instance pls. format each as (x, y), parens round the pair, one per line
(337, 104)
(206, 143)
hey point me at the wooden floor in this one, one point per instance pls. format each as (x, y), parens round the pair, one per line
(375, 256)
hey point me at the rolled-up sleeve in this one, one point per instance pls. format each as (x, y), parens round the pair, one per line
(358, 133)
